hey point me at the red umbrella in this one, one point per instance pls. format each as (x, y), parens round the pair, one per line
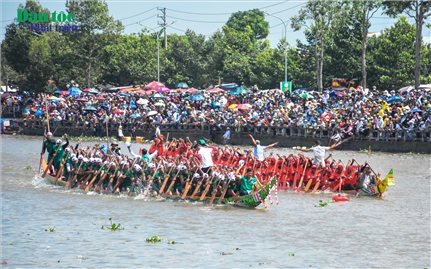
(118, 112)
(82, 99)
(214, 90)
(150, 91)
(244, 106)
(192, 90)
(100, 98)
(155, 85)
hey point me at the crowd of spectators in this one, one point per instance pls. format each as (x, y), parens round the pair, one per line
(345, 112)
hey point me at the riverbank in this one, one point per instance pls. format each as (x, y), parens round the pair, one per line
(286, 139)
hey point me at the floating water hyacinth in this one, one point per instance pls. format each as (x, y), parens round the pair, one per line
(113, 226)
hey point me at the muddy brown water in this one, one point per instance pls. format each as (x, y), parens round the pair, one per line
(363, 233)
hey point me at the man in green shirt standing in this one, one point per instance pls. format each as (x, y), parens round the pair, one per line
(247, 182)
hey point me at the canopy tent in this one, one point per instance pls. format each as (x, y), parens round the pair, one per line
(426, 87)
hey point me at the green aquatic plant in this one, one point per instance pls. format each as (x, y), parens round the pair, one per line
(28, 167)
(50, 229)
(113, 226)
(291, 254)
(323, 204)
(172, 242)
(154, 239)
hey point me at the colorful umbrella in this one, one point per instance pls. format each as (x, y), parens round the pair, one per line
(244, 106)
(152, 113)
(154, 85)
(163, 90)
(181, 85)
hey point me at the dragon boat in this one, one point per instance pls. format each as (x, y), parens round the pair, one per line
(253, 200)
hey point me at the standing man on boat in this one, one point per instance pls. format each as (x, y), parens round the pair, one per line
(319, 152)
(205, 156)
(258, 151)
(48, 145)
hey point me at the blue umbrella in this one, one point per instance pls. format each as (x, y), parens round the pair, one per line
(136, 115)
(394, 99)
(197, 97)
(90, 108)
(74, 91)
(123, 94)
(38, 113)
(58, 91)
(414, 110)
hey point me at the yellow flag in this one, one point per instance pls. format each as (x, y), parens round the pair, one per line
(389, 179)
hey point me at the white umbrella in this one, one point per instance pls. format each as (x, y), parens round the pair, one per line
(152, 113)
(142, 101)
(159, 104)
(405, 89)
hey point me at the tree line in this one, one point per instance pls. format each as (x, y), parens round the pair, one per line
(337, 45)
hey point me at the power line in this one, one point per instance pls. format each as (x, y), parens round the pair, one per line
(141, 13)
(137, 22)
(175, 28)
(288, 8)
(276, 4)
(196, 13)
(181, 19)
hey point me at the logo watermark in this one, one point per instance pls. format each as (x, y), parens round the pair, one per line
(47, 22)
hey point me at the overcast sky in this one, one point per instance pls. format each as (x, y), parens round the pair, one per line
(204, 17)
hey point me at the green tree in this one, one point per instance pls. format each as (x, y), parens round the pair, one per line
(97, 30)
(419, 10)
(366, 10)
(131, 59)
(392, 56)
(321, 19)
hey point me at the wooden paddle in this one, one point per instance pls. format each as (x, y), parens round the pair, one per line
(165, 180)
(61, 169)
(214, 193)
(93, 179)
(187, 187)
(99, 184)
(50, 162)
(207, 188)
(174, 179)
(72, 178)
(302, 177)
(316, 186)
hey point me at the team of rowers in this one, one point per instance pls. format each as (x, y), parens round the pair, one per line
(194, 169)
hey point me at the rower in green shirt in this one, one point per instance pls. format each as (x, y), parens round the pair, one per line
(247, 182)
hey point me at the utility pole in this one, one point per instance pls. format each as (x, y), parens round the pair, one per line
(164, 24)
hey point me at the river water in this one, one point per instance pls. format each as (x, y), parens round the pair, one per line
(390, 233)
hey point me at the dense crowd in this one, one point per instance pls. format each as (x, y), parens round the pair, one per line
(350, 111)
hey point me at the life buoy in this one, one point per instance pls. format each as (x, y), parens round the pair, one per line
(340, 198)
